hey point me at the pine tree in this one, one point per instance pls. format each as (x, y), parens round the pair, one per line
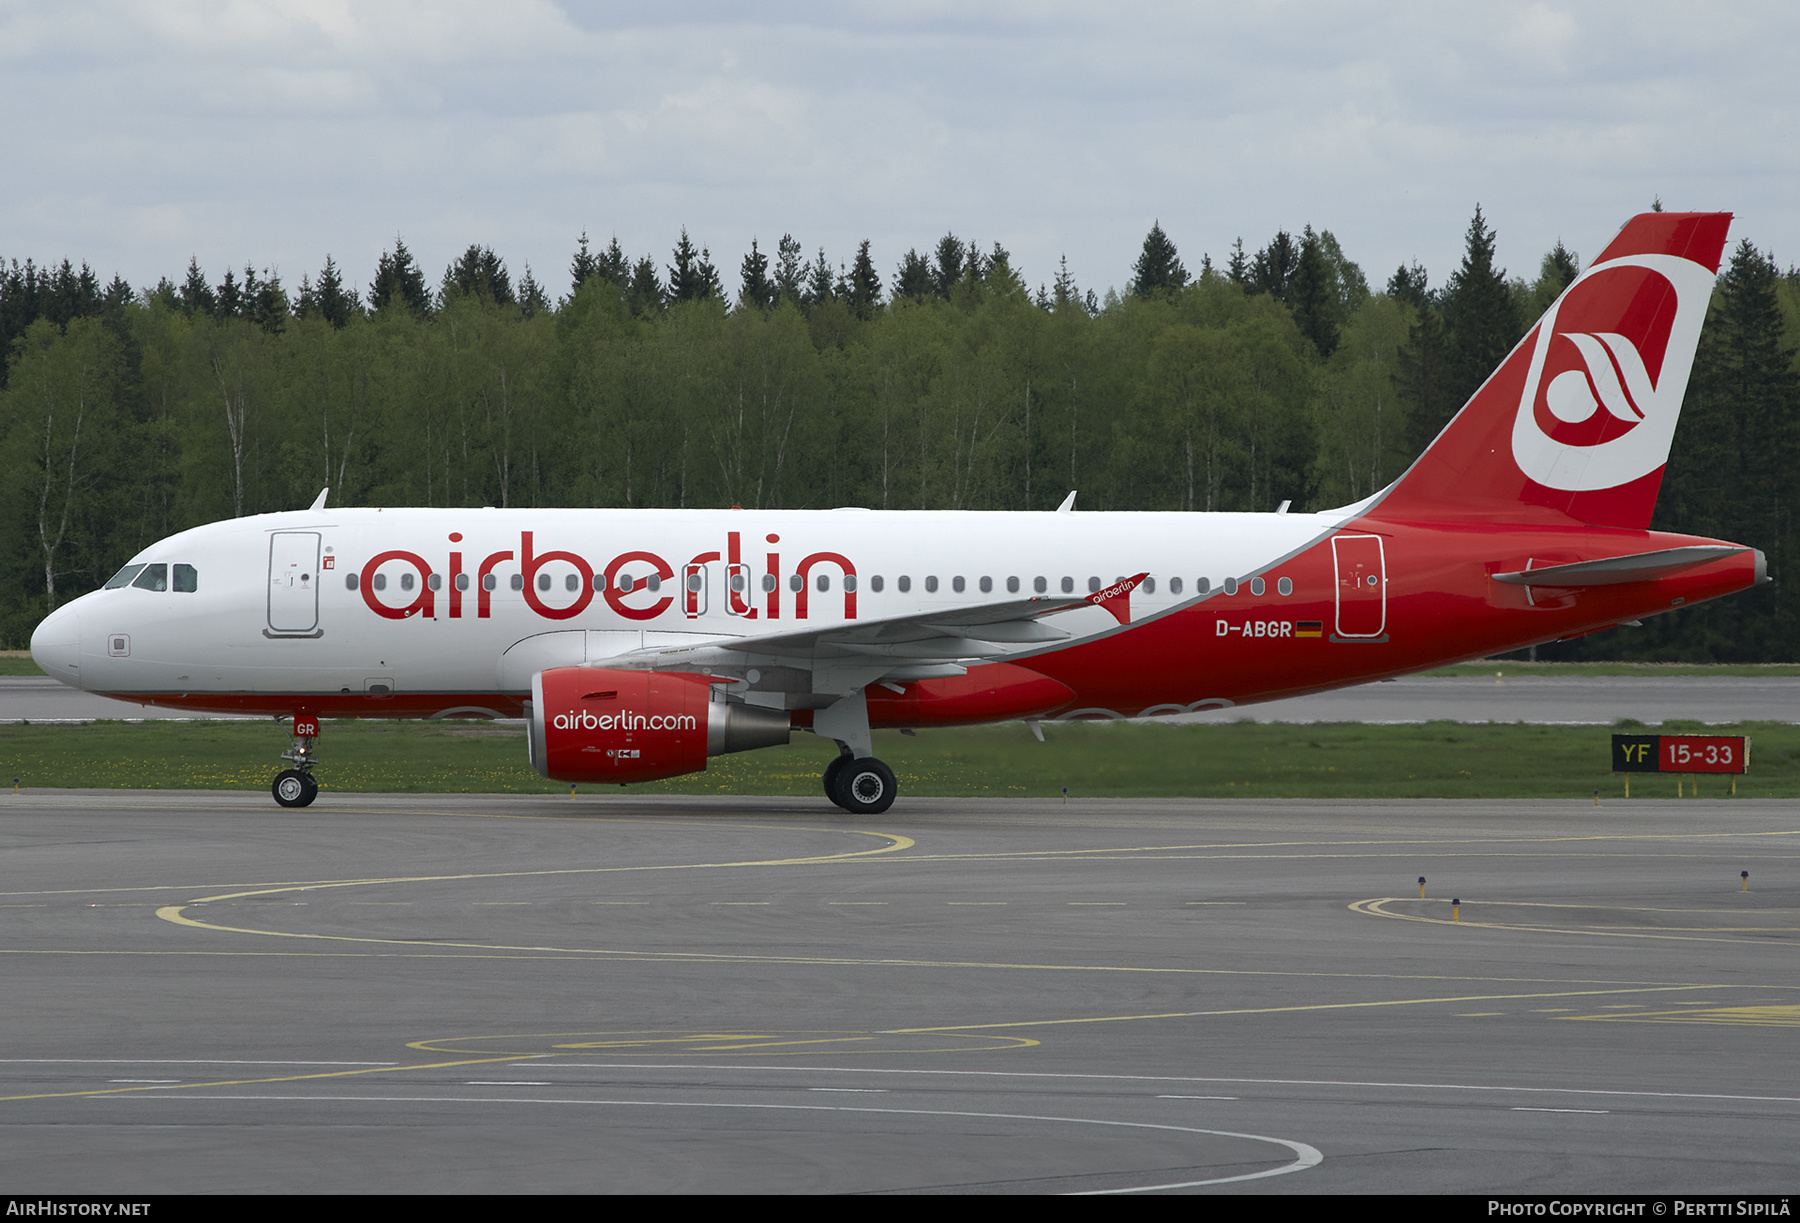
(268, 301)
(613, 266)
(692, 277)
(336, 304)
(914, 279)
(820, 285)
(1408, 284)
(1313, 295)
(646, 295)
(195, 295)
(1479, 314)
(949, 267)
(1557, 272)
(864, 294)
(790, 272)
(1066, 290)
(1238, 268)
(755, 290)
(228, 299)
(1158, 271)
(532, 298)
(399, 282)
(479, 273)
(1274, 266)
(1730, 474)
(711, 289)
(584, 266)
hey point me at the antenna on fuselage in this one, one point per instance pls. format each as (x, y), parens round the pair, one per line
(1068, 505)
(319, 501)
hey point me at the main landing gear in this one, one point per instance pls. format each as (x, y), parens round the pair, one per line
(861, 787)
(296, 787)
(855, 781)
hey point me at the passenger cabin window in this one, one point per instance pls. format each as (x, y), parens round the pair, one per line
(875, 583)
(1256, 586)
(905, 583)
(850, 582)
(379, 581)
(956, 584)
(1149, 586)
(1012, 586)
(1230, 586)
(489, 582)
(154, 577)
(1093, 585)
(1285, 585)
(435, 581)
(462, 581)
(1202, 586)
(1040, 584)
(518, 581)
(987, 584)
(1174, 586)
(931, 584)
(1068, 585)
(823, 581)
(351, 581)
(123, 577)
(544, 582)
(406, 581)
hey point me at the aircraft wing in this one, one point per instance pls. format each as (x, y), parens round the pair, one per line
(848, 654)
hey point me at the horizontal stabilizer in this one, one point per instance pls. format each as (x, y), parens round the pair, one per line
(1618, 570)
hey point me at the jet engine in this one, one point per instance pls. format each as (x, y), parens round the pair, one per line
(607, 725)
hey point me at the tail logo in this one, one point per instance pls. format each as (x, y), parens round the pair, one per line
(1609, 367)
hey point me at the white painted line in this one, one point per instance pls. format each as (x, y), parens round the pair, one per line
(1598, 1111)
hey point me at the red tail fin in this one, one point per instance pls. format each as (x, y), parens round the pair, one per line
(1577, 422)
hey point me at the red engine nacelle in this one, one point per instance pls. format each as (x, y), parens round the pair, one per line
(597, 724)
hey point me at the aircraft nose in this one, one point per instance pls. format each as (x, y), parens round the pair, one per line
(56, 645)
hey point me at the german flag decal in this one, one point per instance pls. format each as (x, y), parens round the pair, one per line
(1309, 628)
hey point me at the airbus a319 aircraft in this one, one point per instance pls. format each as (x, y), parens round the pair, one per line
(639, 643)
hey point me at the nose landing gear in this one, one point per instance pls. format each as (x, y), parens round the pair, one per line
(296, 787)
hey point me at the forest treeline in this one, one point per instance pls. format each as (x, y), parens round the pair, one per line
(1282, 374)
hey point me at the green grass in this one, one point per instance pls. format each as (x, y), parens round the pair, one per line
(17, 662)
(1240, 759)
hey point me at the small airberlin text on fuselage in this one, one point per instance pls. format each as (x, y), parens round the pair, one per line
(581, 719)
(632, 583)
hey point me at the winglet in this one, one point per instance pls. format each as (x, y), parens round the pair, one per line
(1068, 505)
(319, 501)
(1117, 597)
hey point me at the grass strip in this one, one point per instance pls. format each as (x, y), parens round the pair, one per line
(1216, 760)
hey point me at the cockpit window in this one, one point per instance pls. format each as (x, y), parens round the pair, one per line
(154, 577)
(123, 577)
(187, 579)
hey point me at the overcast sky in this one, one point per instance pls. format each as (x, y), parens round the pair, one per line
(136, 135)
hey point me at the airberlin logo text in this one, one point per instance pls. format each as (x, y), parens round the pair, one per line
(560, 584)
(581, 719)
